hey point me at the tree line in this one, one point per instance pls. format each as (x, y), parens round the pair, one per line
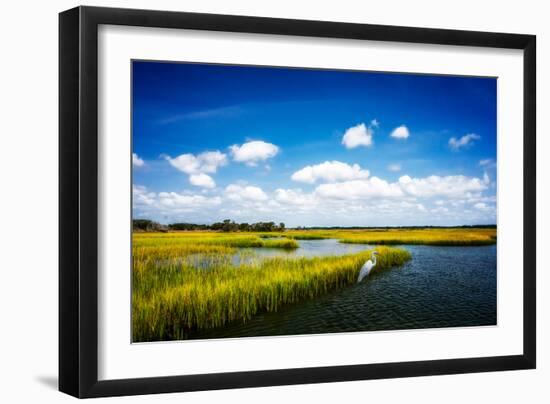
(226, 226)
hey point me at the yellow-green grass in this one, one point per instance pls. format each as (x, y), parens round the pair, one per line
(189, 280)
(173, 296)
(204, 240)
(440, 237)
(428, 236)
(306, 236)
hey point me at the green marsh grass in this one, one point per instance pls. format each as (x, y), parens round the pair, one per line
(173, 296)
(187, 281)
(437, 237)
(389, 236)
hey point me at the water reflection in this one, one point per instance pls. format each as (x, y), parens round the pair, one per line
(308, 248)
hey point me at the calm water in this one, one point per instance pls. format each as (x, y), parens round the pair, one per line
(439, 287)
(308, 248)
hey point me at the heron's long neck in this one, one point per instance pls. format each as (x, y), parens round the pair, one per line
(373, 259)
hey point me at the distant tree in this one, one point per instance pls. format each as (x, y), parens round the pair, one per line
(216, 226)
(227, 225)
(188, 226)
(244, 227)
(148, 225)
(141, 224)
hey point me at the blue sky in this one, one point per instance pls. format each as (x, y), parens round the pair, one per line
(312, 147)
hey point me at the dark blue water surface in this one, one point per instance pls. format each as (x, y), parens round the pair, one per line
(438, 287)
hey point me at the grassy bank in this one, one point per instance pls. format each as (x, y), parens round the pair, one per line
(440, 237)
(173, 296)
(429, 236)
(199, 241)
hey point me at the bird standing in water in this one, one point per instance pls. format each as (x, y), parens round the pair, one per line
(367, 267)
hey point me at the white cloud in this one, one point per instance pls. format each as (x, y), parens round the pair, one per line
(357, 136)
(210, 161)
(369, 201)
(162, 204)
(197, 166)
(394, 167)
(185, 201)
(464, 141)
(357, 189)
(202, 180)
(251, 153)
(137, 161)
(141, 196)
(401, 132)
(206, 162)
(454, 187)
(237, 192)
(294, 197)
(330, 171)
(449, 186)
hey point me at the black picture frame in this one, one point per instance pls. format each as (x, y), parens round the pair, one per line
(78, 201)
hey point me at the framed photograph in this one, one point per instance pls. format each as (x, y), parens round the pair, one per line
(251, 201)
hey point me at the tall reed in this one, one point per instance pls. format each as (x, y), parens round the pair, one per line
(174, 298)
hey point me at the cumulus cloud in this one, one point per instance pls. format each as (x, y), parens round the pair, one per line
(357, 189)
(329, 171)
(153, 204)
(187, 201)
(449, 186)
(456, 186)
(141, 196)
(359, 201)
(394, 167)
(137, 161)
(357, 136)
(202, 180)
(206, 162)
(237, 192)
(197, 166)
(401, 132)
(463, 142)
(294, 197)
(253, 152)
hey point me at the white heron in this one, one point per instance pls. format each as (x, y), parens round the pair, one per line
(367, 267)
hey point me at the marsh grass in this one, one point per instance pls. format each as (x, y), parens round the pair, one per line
(437, 237)
(197, 241)
(306, 236)
(172, 296)
(187, 281)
